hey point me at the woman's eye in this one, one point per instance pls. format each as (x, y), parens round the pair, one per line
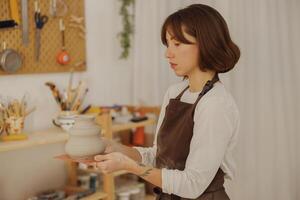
(177, 44)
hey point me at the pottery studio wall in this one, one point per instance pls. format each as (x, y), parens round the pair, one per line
(108, 80)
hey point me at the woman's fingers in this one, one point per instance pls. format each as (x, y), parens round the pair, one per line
(103, 166)
(111, 162)
(100, 158)
(108, 149)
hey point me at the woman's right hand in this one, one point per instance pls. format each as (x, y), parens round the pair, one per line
(110, 146)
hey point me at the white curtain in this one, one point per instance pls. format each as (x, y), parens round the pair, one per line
(264, 83)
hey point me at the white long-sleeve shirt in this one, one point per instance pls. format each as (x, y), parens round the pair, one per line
(216, 124)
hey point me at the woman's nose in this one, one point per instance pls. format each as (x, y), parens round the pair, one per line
(169, 53)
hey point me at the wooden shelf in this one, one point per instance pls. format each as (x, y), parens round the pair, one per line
(95, 196)
(130, 125)
(75, 189)
(57, 135)
(150, 197)
(35, 139)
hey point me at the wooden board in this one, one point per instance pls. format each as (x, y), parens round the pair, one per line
(50, 39)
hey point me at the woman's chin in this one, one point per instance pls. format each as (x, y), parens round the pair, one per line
(179, 74)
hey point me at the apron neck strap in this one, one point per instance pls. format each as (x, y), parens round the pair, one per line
(209, 84)
(181, 93)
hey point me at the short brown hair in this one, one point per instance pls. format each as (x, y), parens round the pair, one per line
(216, 49)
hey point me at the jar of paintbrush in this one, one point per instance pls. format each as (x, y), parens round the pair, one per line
(69, 101)
(12, 117)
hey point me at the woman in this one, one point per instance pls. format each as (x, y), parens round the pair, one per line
(198, 123)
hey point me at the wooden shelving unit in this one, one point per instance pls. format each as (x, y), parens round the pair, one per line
(56, 135)
(96, 196)
(35, 139)
(109, 128)
(131, 125)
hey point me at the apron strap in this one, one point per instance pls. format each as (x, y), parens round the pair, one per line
(208, 86)
(181, 93)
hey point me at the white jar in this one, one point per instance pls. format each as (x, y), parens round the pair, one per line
(124, 195)
(84, 138)
(135, 194)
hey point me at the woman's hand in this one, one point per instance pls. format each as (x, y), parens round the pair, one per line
(110, 146)
(114, 161)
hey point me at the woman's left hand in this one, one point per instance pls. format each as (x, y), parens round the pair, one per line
(114, 161)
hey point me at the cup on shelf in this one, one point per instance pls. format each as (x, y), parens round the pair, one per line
(14, 125)
(124, 195)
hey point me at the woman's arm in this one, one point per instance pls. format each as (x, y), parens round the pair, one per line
(117, 161)
(132, 153)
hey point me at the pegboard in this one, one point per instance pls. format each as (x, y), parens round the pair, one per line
(50, 39)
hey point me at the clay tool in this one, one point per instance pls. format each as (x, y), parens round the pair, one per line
(25, 24)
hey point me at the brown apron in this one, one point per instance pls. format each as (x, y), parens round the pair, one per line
(173, 144)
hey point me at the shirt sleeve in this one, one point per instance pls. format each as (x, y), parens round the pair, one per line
(213, 129)
(148, 154)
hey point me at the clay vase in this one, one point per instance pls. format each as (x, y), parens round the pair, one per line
(84, 138)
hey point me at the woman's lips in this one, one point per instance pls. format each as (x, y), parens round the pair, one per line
(173, 66)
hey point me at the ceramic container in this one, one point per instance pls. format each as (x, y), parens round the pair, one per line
(65, 120)
(14, 125)
(84, 138)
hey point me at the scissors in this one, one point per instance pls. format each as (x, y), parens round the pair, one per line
(40, 20)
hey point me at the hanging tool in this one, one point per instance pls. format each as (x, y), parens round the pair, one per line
(25, 25)
(10, 60)
(8, 24)
(77, 22)
(15, 18)
(58, 8)
(14, 9)
(40, 21)
(52, 8)
(63, 57)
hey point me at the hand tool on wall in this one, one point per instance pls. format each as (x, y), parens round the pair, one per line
(40, 20)
(15, 18)
(14, 9)
(25, 23)
(63, 57)
(77, 22)
(10, 60)
(52, 8)
(8, 24)
(58, 8)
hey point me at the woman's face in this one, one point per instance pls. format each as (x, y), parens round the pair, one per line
(183, 58)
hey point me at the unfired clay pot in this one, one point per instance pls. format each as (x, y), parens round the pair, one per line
(84, 138)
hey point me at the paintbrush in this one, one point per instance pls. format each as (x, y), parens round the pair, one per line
(69, 94)
(77, 92)
(55, 92)
(79, 102)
